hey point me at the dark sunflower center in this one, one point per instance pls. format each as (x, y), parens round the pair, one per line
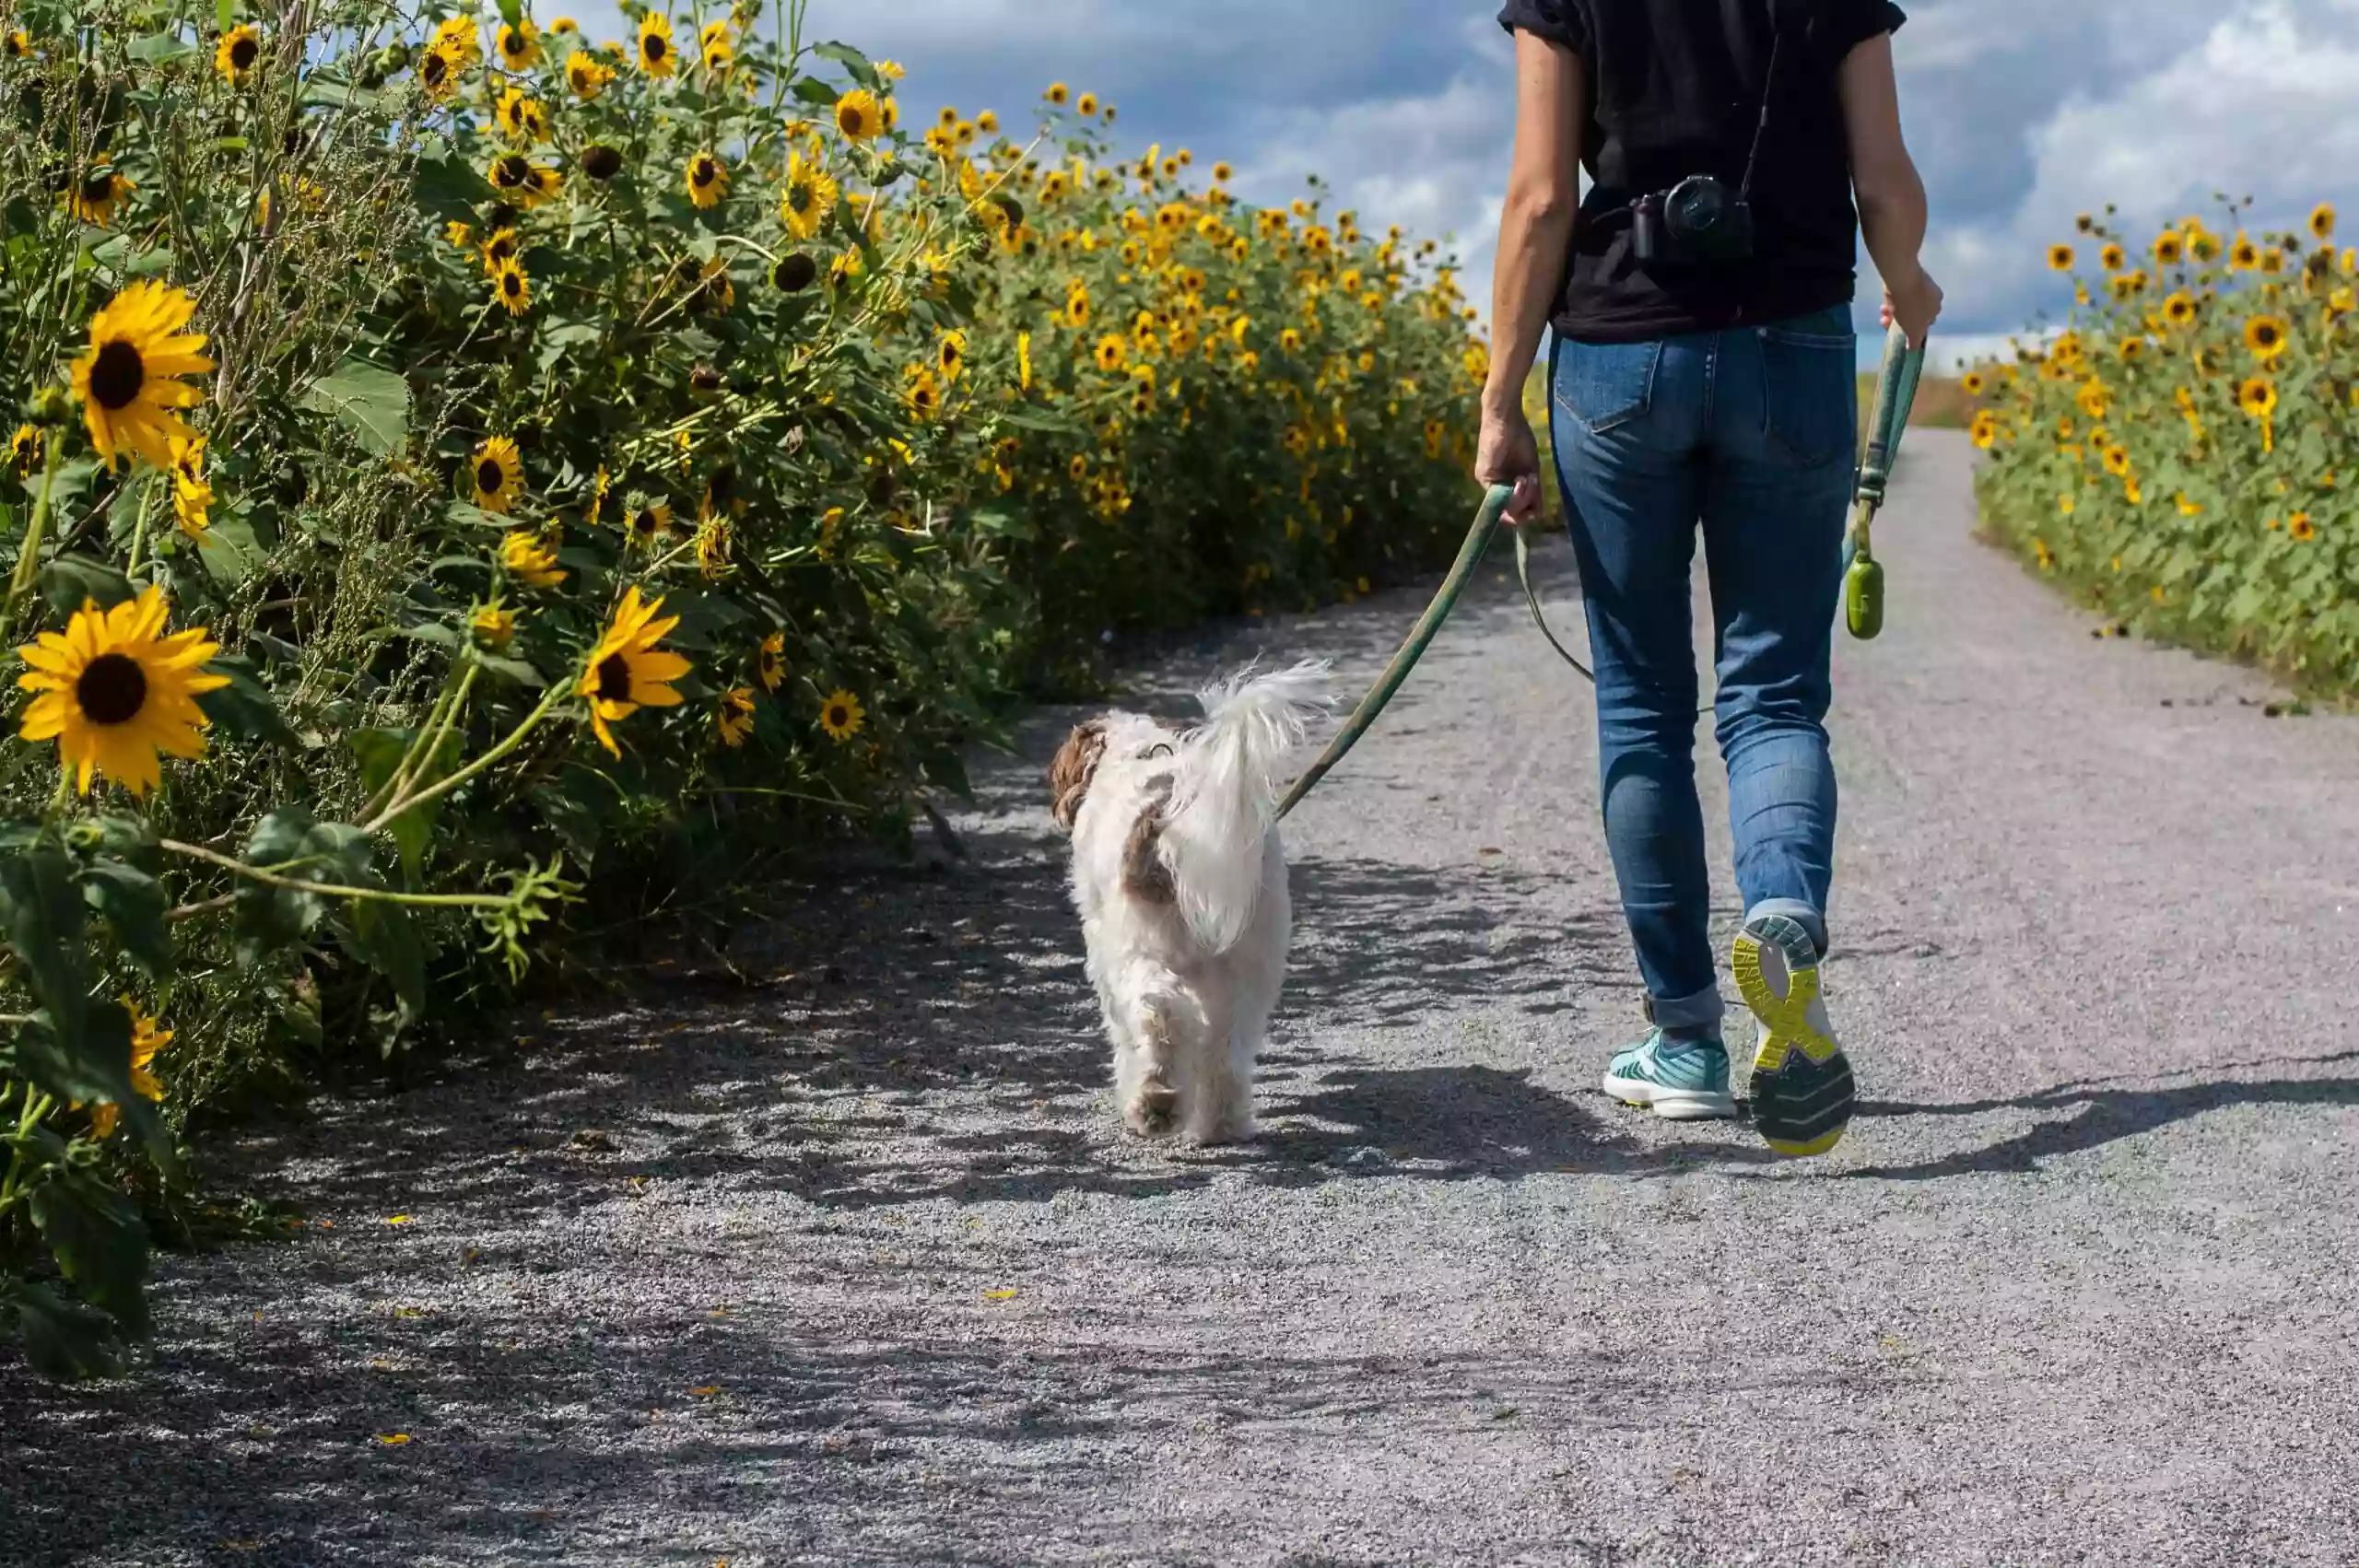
(98, 188)
(511, 283)
(838, 718)
(117, 374)
(516, 44)
(795, 272)
(602, 162)
(648, 521)
(488, 476)
(614, 678)
(435, 69)
(112, 689)
(242, 52)
(511, 171)
(704, 171)
(655, 47)
(853, 120)
(800, 196)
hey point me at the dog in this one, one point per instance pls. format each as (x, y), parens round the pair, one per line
(1181, 883)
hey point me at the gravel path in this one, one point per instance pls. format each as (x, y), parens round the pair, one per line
(853, 1267)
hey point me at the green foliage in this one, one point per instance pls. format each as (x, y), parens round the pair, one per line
(2184, 455)
(529, 449)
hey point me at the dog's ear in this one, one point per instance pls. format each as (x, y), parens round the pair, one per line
(1070, 772)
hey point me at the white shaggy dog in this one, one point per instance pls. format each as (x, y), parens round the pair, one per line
(1182, 886)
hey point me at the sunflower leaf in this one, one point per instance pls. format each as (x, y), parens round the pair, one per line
(62, 1338)
(42, 914)
(380, 752)
(69, 581)
(852, 60)
(386, 939)
(158, 47)
(269, 917)
(511, 12)
(371, 402)
(244, 707)
(134, 906)
(94, 1232)
(814, 91)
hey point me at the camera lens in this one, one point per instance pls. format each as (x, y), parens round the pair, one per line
(1696, 206)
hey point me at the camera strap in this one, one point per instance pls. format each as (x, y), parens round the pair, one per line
(1778, 9)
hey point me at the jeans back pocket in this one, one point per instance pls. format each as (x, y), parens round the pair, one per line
(1809, 384)
(1606, 384)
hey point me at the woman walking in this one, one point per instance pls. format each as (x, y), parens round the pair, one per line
(1702, 378)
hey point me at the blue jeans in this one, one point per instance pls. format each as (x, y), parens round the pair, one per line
(1753, 433)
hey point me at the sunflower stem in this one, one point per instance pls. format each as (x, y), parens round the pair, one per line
(437, 790)
(335, 890)
(423, 746)
(29, 553)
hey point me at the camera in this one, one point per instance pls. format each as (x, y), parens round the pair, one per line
(1698, 223)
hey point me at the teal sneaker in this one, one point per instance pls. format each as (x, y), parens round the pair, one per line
(1678, 1082)
(1802, 1090)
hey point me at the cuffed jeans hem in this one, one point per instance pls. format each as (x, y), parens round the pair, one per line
(1701, 1010)
(1797, 911)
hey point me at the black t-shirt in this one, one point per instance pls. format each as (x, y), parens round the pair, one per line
(1674, 88)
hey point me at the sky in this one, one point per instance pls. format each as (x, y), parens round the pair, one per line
(2021, 113)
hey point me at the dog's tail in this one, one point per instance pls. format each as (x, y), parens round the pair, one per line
(1226, 790)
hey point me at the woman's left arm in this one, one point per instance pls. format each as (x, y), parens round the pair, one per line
(1535, 237)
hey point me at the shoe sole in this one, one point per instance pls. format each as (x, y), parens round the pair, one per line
(1802, 1089)
(1672, 1105)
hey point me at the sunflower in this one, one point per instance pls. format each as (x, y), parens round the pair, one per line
(460, 37)
(94, 197)
(650, 523)
(656, 56)
(1972, 384)
(2322, 222)
(810, 198)
(529, 183)
(793, 272)
(1086, 106)
(2179, 309)
(522, 117)
(1106, 114)
(114, 692)
(585, 75)
(2257, 395)
(1113, 352)
(17, 44)
(2116, 461)
(499, 474)
(1077, 304)
(494, 624)
(192, 495)
(519, 46)
(735, 717)
(25, 448)
(2202, 245)
(717, 48)
(2266, 337)
(858, 115)
(437, 72)
(1985, 432)
(2300, 526)
(2244, 255)
(1058, 93)
(841, 716)
(626, 672)
(126, 378)
(707, 180)
(237, 54)
(2272, 261)
(2170, 248)
(950, 353)
(146, 1041)
(770, 661)
(530, 561)
(925, 391)
(2113, 258)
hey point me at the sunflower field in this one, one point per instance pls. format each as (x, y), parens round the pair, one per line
(465, 471)
(2185, 455)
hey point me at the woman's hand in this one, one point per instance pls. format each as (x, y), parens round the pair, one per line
(1915, 304)
(1509, 454)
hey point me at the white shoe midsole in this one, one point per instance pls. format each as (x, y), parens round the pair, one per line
(1673, 1105)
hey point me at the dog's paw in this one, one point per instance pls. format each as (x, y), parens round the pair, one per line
(1235, 1127)
(1152, 1109)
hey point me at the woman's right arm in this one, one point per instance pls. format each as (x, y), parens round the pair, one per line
(1891, 193)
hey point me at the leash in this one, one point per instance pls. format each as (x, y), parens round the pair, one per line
(1862, 573)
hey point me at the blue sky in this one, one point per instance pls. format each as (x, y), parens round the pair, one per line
(2021, 113)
